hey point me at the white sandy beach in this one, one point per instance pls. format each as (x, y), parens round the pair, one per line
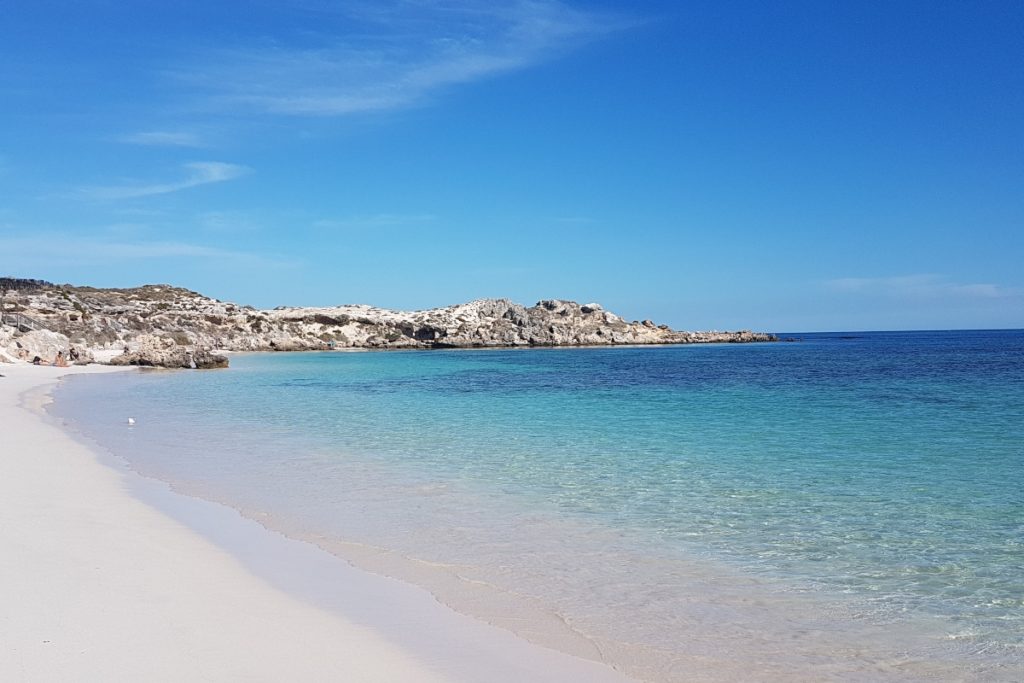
(106, 576)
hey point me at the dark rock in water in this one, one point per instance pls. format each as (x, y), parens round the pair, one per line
(204, 359)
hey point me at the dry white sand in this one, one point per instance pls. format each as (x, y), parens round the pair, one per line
(106, 576)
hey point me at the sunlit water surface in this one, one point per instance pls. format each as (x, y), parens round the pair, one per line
(843, 507)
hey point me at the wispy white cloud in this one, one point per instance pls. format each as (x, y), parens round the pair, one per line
(197, 173)
(137, 212)
(126, 230)
(921, 286)
(405, 52)
(228, 221)
(56, 249)
(379, 220)
(162, 138)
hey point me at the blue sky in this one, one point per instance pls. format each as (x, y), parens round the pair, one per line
(781, 166)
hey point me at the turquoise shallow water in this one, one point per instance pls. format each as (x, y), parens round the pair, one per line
(850, 504)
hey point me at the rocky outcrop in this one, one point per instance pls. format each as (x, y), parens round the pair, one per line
(44, 344)
(483, 323)
(186, 323)
(153, 351)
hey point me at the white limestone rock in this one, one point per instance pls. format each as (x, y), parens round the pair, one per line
(42, 343)
(157, 351)
(106, 319)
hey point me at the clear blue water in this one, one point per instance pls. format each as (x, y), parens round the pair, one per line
(849, 504)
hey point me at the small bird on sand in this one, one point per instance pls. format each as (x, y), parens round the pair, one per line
(131, 421)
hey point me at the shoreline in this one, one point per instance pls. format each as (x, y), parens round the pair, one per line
(722, 626)
(110, 575)
(714, 631)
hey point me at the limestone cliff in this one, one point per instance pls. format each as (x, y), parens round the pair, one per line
(118, 318)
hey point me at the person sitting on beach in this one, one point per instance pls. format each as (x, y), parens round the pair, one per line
(60, 361)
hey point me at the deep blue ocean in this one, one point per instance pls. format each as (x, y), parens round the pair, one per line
(846, 505)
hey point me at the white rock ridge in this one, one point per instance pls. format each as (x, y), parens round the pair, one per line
(118, 318)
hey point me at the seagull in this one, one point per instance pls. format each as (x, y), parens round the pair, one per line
(131, 421)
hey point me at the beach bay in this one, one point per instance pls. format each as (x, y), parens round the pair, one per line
(107, 576)
(846, 507)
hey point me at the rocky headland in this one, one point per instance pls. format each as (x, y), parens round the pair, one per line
(169, 326)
